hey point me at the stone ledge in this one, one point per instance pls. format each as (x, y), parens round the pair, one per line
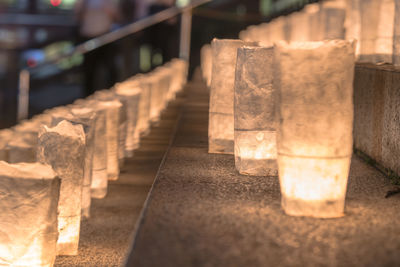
(201, 212)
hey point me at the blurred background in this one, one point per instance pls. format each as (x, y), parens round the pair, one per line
(40, 35)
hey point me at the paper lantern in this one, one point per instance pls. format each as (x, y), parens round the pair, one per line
(255, 134)
(333, 14)
(143, 118)
(182, 67)
(63, 148)
(278, 29)
(28, 214)
(314, 82)
(110, 95)
(164, 85)
(112, 108)
(99, 183)
(156, 97)
(220, 127)
(206, 63)
(396, 34)
(353, 23)
(300, 26)
(131, 92)
(377, 28)
(87, 118)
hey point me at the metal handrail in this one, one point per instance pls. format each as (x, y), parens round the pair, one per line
(108, 38)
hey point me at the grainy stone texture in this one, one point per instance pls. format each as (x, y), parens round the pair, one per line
(28, 214)
(221, 128)
(201, 212)
(314, 82)
(254, 112)
(376, 118)
(63, 148)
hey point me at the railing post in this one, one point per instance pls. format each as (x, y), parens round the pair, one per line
(23, 95)
(186, 30)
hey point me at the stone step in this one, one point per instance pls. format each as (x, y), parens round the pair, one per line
(202, 212)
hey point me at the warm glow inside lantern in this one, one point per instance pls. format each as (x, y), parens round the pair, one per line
(206, 63)
(63, 148)
(110, 95)
(377, 29)
(255, 134)
(131, 92)
(315, 90)
(28, 214)
(112, 108)
(220, 127)
(87, 118)
(143, 120)
(396, 34)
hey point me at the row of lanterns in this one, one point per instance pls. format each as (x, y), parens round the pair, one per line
(373, 23)
(53, 164)
(285, 110)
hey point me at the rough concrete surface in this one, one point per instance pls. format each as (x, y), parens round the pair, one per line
(201, 212)
(376, 113)
(106, 237)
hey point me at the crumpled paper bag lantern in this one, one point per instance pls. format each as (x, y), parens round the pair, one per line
(131, 92)
(377, 29)
(87, 118)
(255, 126)
(314, 81)
(28, 214)
(206, 63)
(63, 148)
(110, 95)
(220, 126)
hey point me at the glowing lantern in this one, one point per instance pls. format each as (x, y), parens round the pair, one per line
(112, 108)
(63, 148)
(143, 121)
(377, 28)
(333, 15)
(87, 118)
(155, 96)
(109, 95)
(278, 29)
(130, 91)
(396, 37)
(353, 23)
(28, 214)
(299, 26)
(99, 172)
(164, 85)
(315, 90)
(182, 71)
(220, 127)
(206, 63)
(255, 134)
